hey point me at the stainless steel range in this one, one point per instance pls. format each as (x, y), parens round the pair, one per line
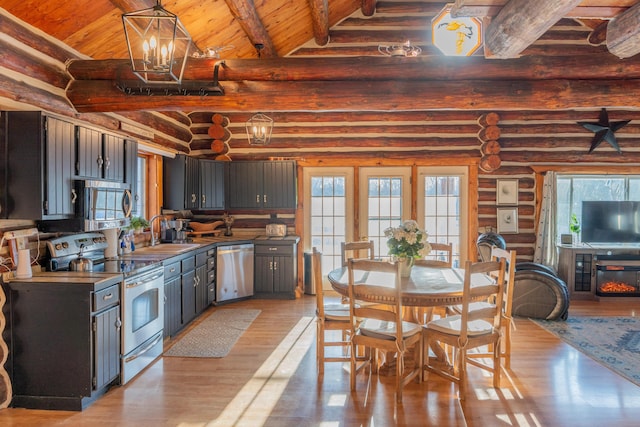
(142, 294)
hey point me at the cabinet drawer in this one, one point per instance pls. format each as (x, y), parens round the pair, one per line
(274, 249)
(211, 263)
(188, 264)
(201, 259)
(106, 297)
(211, 276)
(172, 270)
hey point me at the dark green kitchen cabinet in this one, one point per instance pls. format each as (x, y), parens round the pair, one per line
(262, 185)
(39, 158)
(131, 172)
(181, 183)
(276, 268)
(212, 174)
(100, 155)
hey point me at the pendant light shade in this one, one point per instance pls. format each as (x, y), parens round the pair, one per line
(259, 129)
(158, 44)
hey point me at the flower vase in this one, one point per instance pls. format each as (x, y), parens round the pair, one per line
(405, 266)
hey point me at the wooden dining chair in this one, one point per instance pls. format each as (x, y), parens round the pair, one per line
(356, 250)
(441, 255)
(329, 317)
(471, 328)
(377, 327)
(507, 302)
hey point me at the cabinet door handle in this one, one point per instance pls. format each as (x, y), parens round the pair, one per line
(204, 199)
(107, 163)
(118, 323)
(74, 195)
(193, 197)
(257, 198)
(265, 199)
(107, 297)
(172, 270)
(99, 161)
(270, 265)
(275, 265)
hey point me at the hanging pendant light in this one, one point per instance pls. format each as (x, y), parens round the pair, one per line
(158, 44)
(259, 129)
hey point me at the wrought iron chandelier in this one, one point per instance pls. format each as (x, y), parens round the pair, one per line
(158, 44)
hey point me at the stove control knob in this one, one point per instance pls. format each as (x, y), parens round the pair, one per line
(58, 246)
(65, 245)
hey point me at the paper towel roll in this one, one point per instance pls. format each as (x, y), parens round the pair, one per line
(24, 264)
(111, 235)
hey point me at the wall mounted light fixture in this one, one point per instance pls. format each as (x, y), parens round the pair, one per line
(259, 129)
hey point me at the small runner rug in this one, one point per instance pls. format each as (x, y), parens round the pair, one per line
(613, 342)
(215, 335)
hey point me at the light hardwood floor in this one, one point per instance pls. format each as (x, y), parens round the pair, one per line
(269, 379)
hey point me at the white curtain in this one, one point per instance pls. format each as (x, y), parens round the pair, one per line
(546, 252)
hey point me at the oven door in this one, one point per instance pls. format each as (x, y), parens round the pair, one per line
(142, 309)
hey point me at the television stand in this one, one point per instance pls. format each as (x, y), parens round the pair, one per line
(577, 265)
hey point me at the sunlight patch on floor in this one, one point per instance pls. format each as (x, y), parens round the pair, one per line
(519, 420)
(337, 400)
(254, 402)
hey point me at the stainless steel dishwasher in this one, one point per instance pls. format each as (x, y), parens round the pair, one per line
(234, 274)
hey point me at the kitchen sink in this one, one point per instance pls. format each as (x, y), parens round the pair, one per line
(168, 248)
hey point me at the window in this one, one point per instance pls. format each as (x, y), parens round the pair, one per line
(141, 188)
(572, 190)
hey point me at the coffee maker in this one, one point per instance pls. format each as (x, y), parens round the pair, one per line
(174, 231)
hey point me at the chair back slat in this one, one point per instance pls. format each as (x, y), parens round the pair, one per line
(434, 259)
(350, 250)
(382, 286)
(484, 292)
(316, 268)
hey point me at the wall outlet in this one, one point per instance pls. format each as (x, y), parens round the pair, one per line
(16, 234)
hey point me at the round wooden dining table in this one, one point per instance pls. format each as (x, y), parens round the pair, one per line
(426, 287)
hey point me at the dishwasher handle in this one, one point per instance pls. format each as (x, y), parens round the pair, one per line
(234, 249)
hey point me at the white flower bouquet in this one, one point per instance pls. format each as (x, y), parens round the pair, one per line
(407, 241)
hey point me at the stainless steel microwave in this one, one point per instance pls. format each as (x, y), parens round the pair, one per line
(103, 204)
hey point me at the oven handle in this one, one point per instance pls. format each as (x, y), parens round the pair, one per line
(144, 350)
(144, 279)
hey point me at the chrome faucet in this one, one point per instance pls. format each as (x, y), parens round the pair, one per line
(153, 236)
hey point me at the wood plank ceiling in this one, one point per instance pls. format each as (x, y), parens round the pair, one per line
(322, 78)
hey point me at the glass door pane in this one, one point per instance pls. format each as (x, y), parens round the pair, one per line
(442, 207)
(329, 195)
(385, 201)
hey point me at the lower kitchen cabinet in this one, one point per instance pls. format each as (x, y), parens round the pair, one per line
(276, 267)
(172, 298)
(64, 340)
(189, 282)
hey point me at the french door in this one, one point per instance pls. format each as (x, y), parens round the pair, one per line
(384, 200)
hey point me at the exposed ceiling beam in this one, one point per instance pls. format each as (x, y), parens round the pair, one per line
(379, 68)
(471, 8)
(320, 20)
(244, 11)
(103, 95)
(623, 33)
(368, 7)
(520, 23)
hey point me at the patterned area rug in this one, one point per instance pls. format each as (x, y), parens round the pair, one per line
(612, 341)
(215, 335)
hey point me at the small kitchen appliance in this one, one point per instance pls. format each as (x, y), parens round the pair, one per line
(276, 230)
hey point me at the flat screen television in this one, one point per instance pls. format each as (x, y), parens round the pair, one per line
(610, 222)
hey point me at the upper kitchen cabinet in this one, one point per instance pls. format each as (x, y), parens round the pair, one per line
(262, 185)
(131, 172)
(211, 184)
(100, 155)
(39, 151)
(181, 182)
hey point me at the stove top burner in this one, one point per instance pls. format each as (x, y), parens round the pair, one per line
(127, 266)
